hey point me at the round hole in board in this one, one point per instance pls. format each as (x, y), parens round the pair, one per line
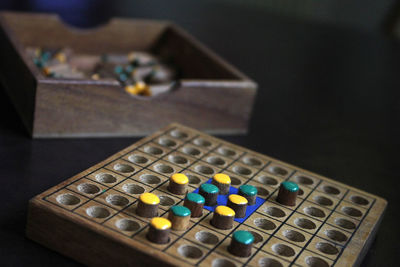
(278, 170)
(204, 169)
(222, 263)
(153, 150)
(267, 180)
(305, 223)
(215, 160)
(206, 237)
(68, 199)
(269, 262)
(257, 237)
(166, 142)
(294, 236)
(125, 168)
(327, 248)
(127, 225)
(359, 200)
(261, 191)
(202, 142)
(88, 188)
(274, 212)
(150, 179)
(177, 159)
(304, 180)
(235, 181)
(352, 211)
(138, 159)
(335, 235)
(193, 179)
(178, 134)
(316, 262)
(344, 223)
(242, 170)
(251, 161)
(283, 250)
(188, 150)
(315, 212)
(330, 190)
(97, 212)
(226, 152)
(300, 192)
(117, 200)
(133, 189)
(166, 201)
(324, 201)
(105, 178)
(191, 252)
(264, 224)
(163, 168)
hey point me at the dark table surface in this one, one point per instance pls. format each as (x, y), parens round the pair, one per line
(328, 102)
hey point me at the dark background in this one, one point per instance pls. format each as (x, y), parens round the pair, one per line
(328, 101)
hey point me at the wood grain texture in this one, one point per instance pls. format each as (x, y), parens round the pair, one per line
(55, 107)
(69, 230)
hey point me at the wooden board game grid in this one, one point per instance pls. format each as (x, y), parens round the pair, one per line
(164, 152)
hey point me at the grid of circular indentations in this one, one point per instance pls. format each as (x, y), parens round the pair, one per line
(149, 179)
(274, 212)
(326, 248)
(105, 178)
(138, 159)
(283, 250)
(178, 134)
(315, 212)
(68, 199)
(316, 262)
(125, 168)
(222, 263)
(163, 168)
(97, 212)
(278, 170)
(133, 189)
(127, 225)
(305, 223)
(153, 150)
(166, 142)
(204, 169)
(206, 237)
(166, 201)
(264, 224)
(269, 262)
(324, 201)
(189, 251)
(359, 200)
(117, 200)
(301, 179)
(344, 223)
(330, 190)
(267, 180)
(252, 161)
(216, 161)
(189, 150)
(352, 211)
(88, 188)
(335, 235)
(224, 151)
(177, 159)
(262, 192)
(294, 236)
(201, 142)
(241, 170)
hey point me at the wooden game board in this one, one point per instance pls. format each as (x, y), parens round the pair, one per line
(91, 216)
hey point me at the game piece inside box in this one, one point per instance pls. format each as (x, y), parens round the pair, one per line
(120, 211)
(125, 78)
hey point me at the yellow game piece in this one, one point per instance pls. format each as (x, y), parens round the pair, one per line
(180, 178)
(222, 178)
(61, 57)
(149, 198)
(160, 223)
(225, 211)
(236, 199)
(46, 71)
(140, 88)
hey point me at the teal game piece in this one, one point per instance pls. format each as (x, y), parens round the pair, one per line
(288, 193)
(210, 193)
(180, 211)
(249, 192)
(244, 237)
(195, 198)
(241, 244)
(290, 186)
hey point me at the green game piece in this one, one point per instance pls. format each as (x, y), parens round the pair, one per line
(118, 69)
(248, 190)
(199, 199)
(209, 188)
(290, 186)
(180, 211)
(244, 237)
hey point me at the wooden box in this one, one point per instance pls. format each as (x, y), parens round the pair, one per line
(211, 94)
